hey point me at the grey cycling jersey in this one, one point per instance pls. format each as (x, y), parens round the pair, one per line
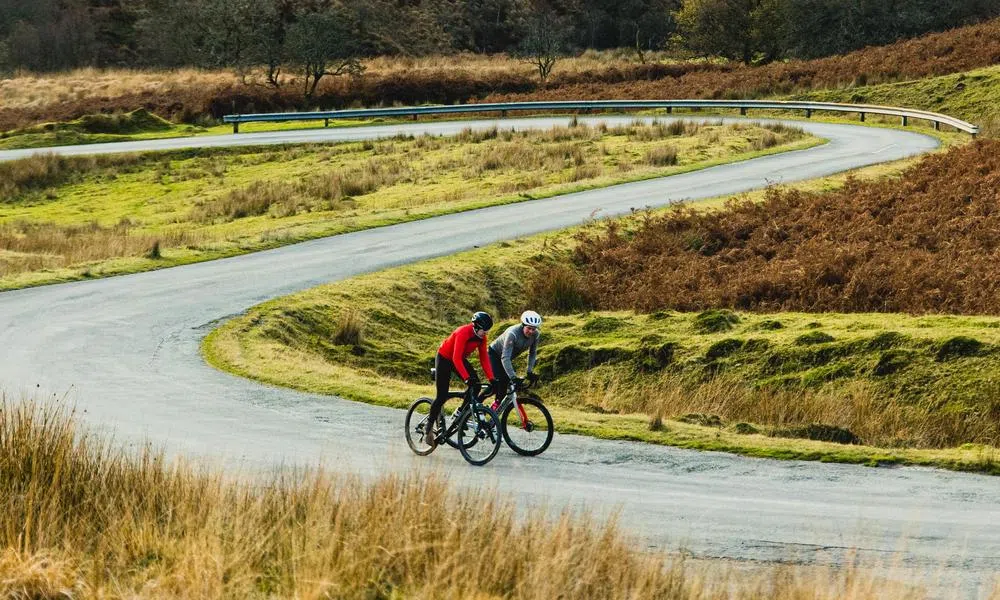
(513, 343)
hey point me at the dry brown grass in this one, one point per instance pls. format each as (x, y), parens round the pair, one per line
(48, 170)
(84, 520)
(26, 246)
(855, 407)
(926, 242)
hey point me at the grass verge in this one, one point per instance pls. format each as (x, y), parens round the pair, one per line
(64, 219)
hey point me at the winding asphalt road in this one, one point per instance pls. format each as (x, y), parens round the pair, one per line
(126, 350)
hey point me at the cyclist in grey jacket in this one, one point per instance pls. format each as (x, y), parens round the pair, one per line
(511, 344)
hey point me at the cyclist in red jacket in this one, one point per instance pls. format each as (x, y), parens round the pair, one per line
(451, 356)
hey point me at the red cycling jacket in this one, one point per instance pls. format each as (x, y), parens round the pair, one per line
(461, 343)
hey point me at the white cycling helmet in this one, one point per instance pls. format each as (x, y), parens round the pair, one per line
(531, 318)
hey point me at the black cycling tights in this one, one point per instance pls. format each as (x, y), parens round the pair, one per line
(442, 379)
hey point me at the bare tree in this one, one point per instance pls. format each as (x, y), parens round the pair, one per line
(323, 43)
(546, 40)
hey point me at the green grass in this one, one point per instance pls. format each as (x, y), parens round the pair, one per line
(639, 377)
(200, 205)
(973, 96)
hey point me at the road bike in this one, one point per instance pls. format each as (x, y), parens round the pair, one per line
(473, 427)
(524, 421)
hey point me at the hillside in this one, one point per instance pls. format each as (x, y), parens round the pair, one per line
(198, 96)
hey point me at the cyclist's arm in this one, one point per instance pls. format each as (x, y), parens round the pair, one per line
(532, 354)
(507, 356)
(484, 358)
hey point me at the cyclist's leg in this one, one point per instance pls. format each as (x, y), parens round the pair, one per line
(442, 376)
(503, 382)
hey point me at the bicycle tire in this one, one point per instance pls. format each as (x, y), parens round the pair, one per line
(486, 431)
(418, 428)
(545, 436)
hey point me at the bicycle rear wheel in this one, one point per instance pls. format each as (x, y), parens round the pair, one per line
(479, 435)
(416, 425)
(531, 434)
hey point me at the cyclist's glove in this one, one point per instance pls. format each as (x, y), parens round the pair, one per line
(516, 381)
(472, 382)
(532, 378)
(494, 386)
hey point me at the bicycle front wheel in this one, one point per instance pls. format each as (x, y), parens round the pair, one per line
(528, 434)
(479, 435)
(417, 420)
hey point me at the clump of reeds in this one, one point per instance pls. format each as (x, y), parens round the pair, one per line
(350, 329)
(28, 246)
(663, 155)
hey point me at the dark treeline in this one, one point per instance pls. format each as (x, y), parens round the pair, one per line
(47, 35)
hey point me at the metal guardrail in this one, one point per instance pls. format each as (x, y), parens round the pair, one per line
(905, 114)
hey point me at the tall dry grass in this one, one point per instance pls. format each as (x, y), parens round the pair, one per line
(46, 170)
(31, 246)
(855, 407)
(82, 519)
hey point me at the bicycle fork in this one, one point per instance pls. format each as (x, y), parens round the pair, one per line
(520, 411)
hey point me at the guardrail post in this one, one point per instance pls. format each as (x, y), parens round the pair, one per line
(906, 120)
(809, 113)
(326, 122)
(862, 117)
(503, 114)
(236, 127)
(937, 125)
(670, 110)
(743, 111)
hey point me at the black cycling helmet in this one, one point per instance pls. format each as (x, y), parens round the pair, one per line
(483, 321)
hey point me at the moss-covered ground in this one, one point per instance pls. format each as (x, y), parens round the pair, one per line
(694, 381)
